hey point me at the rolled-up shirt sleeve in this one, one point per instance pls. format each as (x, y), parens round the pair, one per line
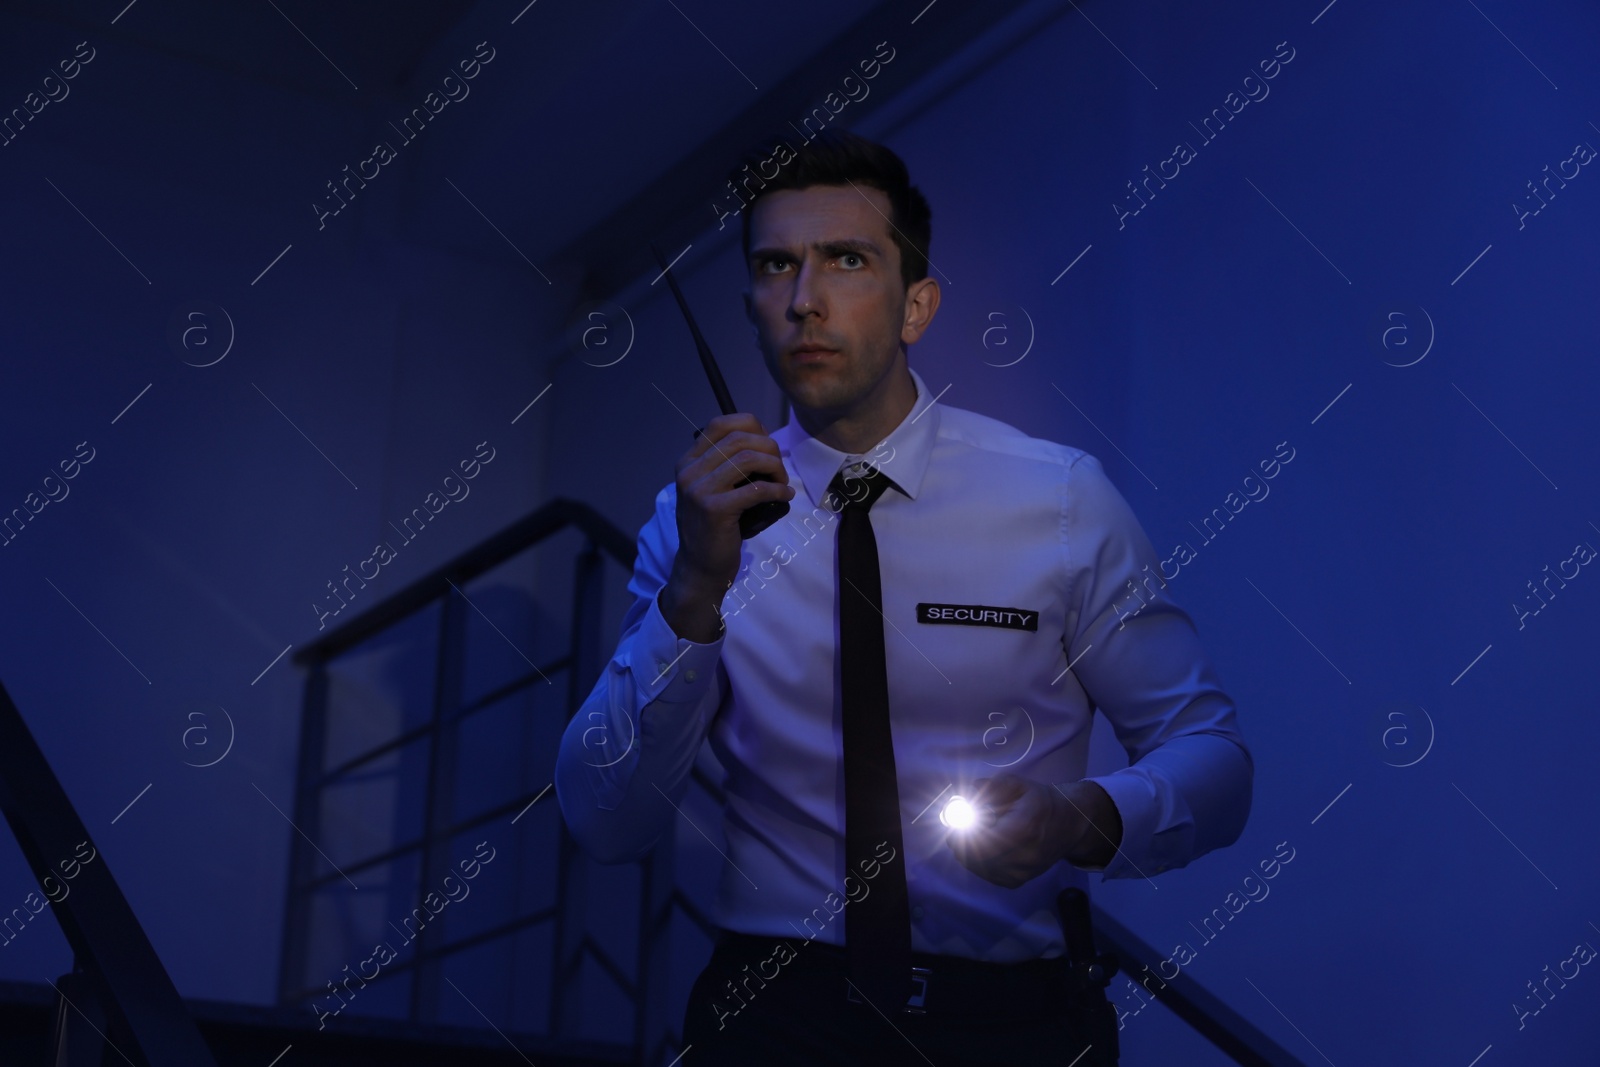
(632, 744)
(1187, 789)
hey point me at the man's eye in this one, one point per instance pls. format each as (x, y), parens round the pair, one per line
(853, 256)
(766, 265)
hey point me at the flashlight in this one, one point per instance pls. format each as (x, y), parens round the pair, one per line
(959, 813)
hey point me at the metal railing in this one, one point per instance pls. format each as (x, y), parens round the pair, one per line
(581, 662)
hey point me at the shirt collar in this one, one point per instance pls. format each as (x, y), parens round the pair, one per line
(903, 455)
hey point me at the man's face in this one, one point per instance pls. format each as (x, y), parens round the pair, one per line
(826, 299)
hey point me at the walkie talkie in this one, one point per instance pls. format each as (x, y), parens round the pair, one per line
(760, 516)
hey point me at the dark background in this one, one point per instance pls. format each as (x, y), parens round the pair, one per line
(1430, 762)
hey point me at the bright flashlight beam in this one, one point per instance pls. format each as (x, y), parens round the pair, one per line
(958, 813)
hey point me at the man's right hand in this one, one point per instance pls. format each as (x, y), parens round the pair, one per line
(730, 449)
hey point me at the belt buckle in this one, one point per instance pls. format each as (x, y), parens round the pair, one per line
(916, 1002)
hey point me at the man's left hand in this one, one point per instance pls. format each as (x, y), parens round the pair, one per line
(1030, 827)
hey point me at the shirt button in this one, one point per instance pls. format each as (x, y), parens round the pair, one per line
(690, 675)
(661, 666)
(916, 912)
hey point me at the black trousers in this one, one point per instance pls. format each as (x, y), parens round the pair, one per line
(742, 1013)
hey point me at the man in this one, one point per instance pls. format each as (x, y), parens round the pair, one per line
(850, 697)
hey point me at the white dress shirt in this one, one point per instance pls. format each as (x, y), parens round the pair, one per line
(1046, 602)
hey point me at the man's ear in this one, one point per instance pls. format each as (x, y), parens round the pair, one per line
(922, 302)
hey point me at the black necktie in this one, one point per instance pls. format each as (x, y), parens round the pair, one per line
(877, 926)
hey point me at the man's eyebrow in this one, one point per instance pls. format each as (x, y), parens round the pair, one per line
(836, 247)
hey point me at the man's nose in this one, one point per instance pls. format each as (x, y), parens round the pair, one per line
(807, 296)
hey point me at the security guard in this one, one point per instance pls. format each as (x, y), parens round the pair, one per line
(938, 616)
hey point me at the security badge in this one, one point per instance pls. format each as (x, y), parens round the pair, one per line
(978, 615)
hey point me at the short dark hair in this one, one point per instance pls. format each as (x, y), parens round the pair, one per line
(838, 157)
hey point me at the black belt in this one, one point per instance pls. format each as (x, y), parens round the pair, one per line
(942, 985)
